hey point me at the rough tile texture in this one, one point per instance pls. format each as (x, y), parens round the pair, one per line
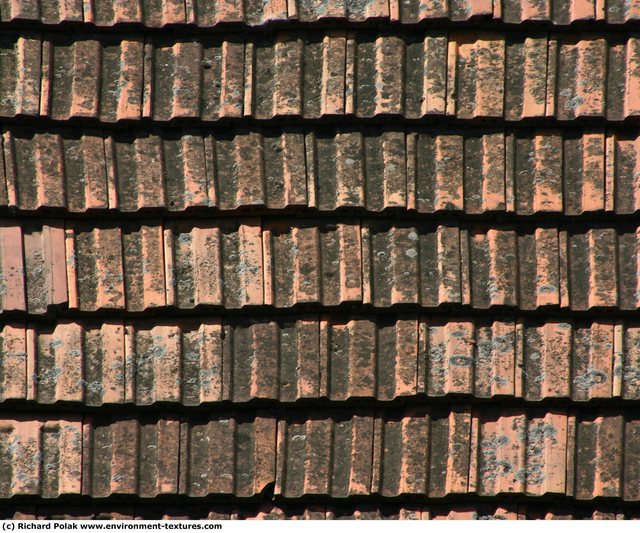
(319, 259)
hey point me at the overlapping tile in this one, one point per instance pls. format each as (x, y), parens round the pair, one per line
(194, 362)
(613, 11)
(353, 387)
(428, 452)
(434, 265)
(94, 457)
(478, 452)
(464, 75)
(423, 170)
(40, 456)
(249, 262)
(289, 511)
(103, 13)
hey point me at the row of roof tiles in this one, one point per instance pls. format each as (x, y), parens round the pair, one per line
(465, 75)
(204, 13)
(421, 452)
(230, 263)
(194, 362)
(248, 511)
(432, 452)
(429, 171)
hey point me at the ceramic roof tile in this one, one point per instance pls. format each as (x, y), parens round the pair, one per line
(294, 511)
(191, 361)
(479, 451)
(233, 264)
(466, 75)
(205, 14)
(28, 443)
(428, 170)
(230, 456)
(100, 457)
(253, 262)
(313, 263)
(112, 468)
(161, 13)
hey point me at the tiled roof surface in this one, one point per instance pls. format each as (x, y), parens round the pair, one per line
(476, 171)
(288, 511)
(434, 452)
(309, 357)
(231, 263)
(332, 259)
(106, 78)
(255, 13)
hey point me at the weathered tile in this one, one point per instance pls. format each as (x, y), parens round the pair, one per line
(307, 449)
(40, 457)
(229, 456)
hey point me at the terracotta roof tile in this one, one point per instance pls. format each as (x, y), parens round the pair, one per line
(468, 451)
(486, 454)
(207, 14)
(94, 456)
(192, 361)
(425, 170)
(339, 259)
(288, 511)
(466, 75)
(140, 266)
(156, 14)
(28, 444)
